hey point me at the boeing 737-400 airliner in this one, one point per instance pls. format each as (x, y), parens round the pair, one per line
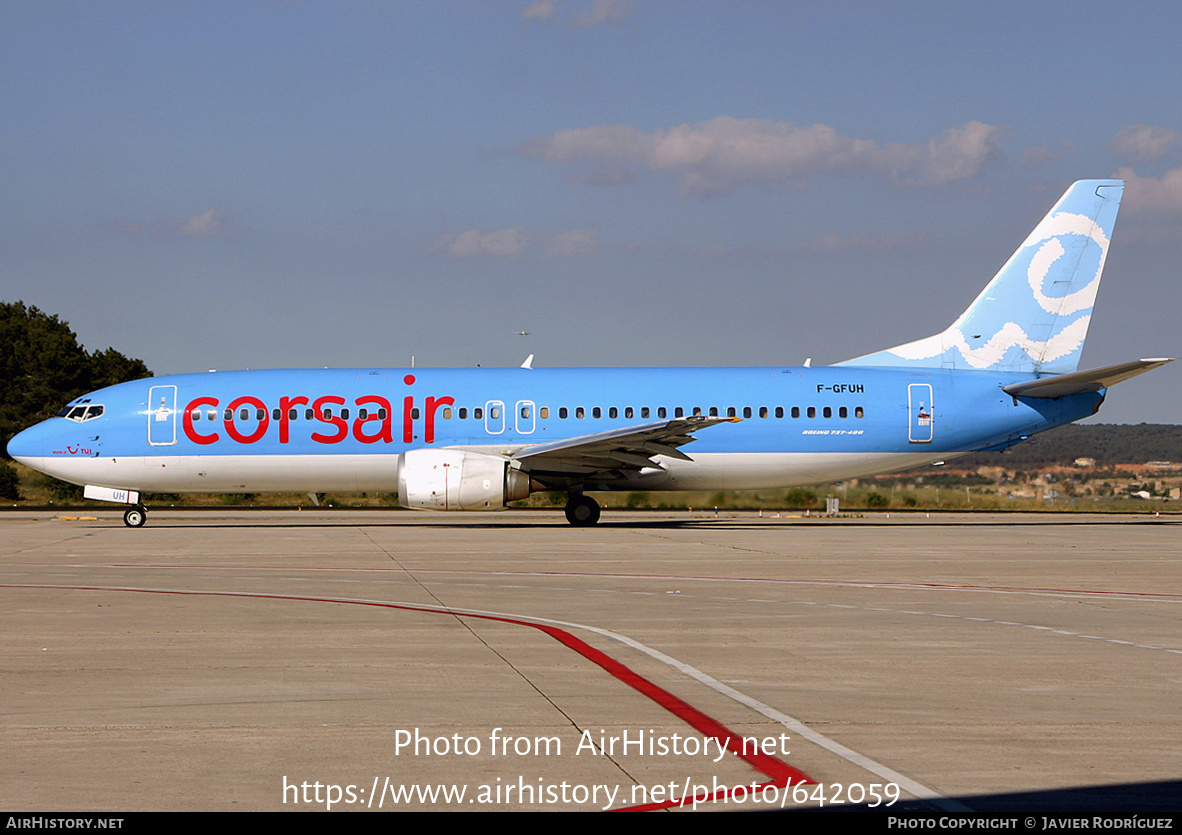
(477, 439)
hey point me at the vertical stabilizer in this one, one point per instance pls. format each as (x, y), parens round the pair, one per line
(1034, 315)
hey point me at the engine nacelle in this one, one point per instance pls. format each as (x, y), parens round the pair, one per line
(453, 479)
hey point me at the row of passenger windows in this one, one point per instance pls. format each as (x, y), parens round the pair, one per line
(662, 412)
(292, 414)
(494, 413)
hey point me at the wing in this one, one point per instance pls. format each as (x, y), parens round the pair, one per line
(612, 453)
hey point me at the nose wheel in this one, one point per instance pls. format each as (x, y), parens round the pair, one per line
(134, 517)
(582, 511)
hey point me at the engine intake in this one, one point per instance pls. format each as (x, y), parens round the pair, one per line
(453, 479)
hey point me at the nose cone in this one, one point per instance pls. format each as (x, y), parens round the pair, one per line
(30, 444)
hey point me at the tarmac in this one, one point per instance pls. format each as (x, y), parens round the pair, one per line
(396, 660)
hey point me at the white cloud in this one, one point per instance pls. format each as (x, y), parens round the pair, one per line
(516, 242)
(603, 11)
(208, 224)
(571, 243)
(589, 14)
(1142, 143)
(541, 10)
(205, 225)
(501, 243)
(958, 153)
(1147, 195)
(714, 157)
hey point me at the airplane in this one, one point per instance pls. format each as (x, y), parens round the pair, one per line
(480, 438)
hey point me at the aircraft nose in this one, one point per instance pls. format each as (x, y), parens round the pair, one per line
(28, 444)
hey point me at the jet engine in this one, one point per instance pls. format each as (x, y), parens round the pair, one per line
(453, 479)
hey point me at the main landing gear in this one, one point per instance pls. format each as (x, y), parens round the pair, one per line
(582, 511)
(134, 517)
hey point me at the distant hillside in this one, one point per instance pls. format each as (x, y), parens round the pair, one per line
(1107, 443)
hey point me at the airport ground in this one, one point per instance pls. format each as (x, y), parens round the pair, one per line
(238, 660)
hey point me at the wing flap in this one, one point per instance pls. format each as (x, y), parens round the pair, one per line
(616, 450)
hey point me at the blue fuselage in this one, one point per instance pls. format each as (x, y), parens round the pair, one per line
(311, 429)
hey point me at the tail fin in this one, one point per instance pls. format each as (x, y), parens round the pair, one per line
(1033, 316)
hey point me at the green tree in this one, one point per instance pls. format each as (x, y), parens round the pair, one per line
(9, 483)
(42, 367)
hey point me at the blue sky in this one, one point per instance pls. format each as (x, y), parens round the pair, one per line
(237, 184)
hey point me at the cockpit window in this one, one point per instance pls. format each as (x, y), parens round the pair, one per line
(81, 413)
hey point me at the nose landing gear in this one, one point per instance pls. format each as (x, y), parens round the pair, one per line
(134, 517)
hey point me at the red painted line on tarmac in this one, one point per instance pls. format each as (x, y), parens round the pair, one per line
(781, 773)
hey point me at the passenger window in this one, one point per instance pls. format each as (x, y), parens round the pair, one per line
(730, 412)
(562, 412)
(713, 411)
(447, 413)
(478, 413)
(597, 413)
(579, 413)
(309, 414)
(275, 414)
(345, 414)
(779, 411)
(661, 413)
(795, 411)
(763, 411)
(211, 414)
(196, 414)
(544, 412)
(628, 412)
(381, 414)
(827, 412)
(525, 412)
(227, 415)
(812, 411)
(644, 412)
(746, 411)
(613, 413)
(679, 412)
(414, 413)
(292, 414)
(858, 411)
(697, 410)
(463, 413)
(362, 414)
(843, 412)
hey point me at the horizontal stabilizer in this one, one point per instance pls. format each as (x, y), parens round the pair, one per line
(1080, 382)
